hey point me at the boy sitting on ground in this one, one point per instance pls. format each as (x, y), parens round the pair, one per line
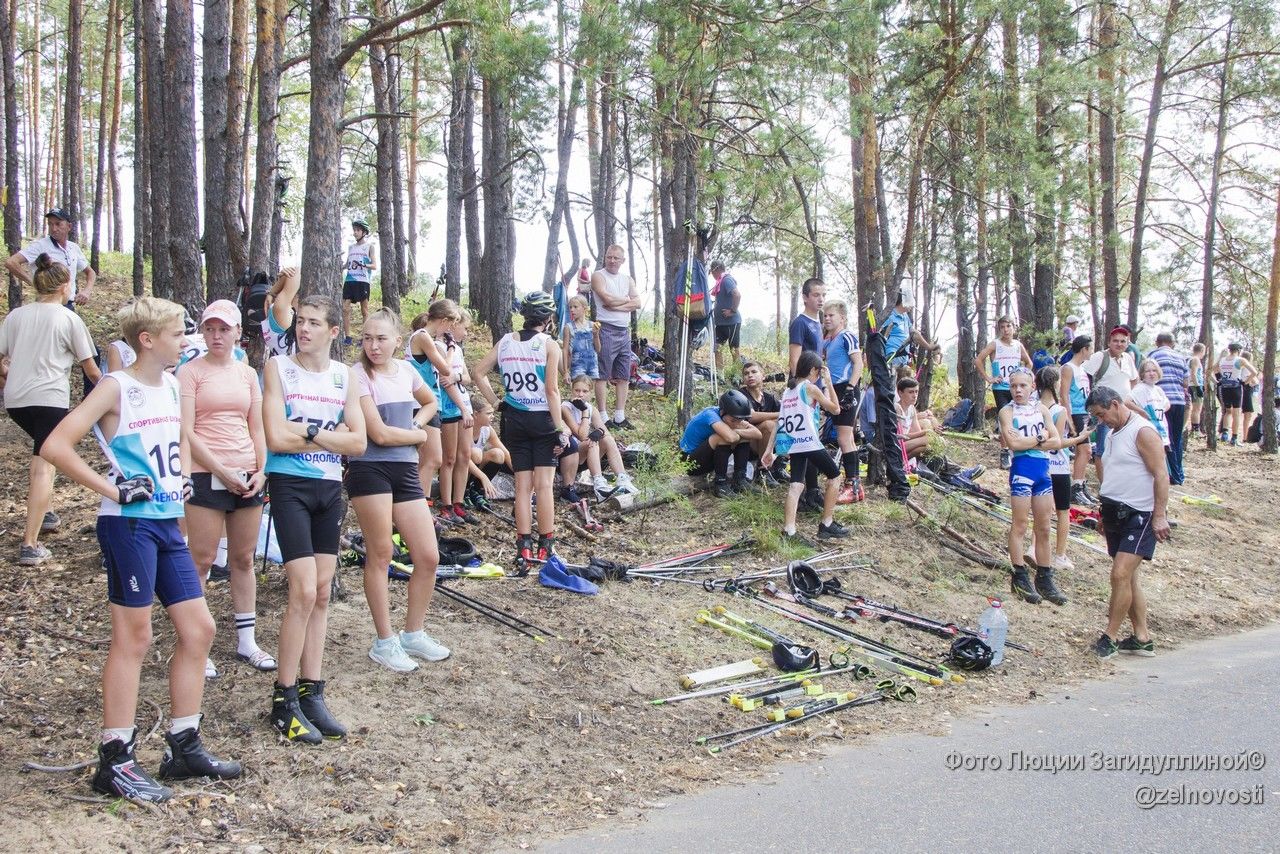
(916, 428)
(764, 415)
(717, 434)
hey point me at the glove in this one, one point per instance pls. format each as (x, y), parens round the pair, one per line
(138, 488)
(188, 487)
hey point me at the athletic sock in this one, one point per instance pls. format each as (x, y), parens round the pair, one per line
(246, 644)
(720, 457)
(850, 460)
(619, 415)
(184, 723)
(119, 733)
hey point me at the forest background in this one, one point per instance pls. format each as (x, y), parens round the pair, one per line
(1031, 157)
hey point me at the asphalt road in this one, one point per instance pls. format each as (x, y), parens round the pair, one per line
(1219, 698)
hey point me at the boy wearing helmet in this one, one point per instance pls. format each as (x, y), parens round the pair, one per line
(533, 427)
(717, 434)
(362, 259)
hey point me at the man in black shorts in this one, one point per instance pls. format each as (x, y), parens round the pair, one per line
(728, 320)
(1135, 490)
(362, 260)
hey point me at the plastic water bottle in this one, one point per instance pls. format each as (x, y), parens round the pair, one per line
(993, 626)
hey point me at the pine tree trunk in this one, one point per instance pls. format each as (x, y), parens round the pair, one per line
(12, 208)
(141, 152)
(158, 104)
(1045, 270)
(456, 188)
(411, 248)
(231, 217)
(1269, 443)
(271, 16)
(497, 269)
(384, 178)
(180, 138)
(567, 125)
(1019, 244)
(113, 137)
(1210, 236)
(984, 259)
(216, 67)
(971, 383)
(471, 191)
(396, 101)
(1107, 107)
(321, 249)
(72, 163)
(31, 90)
(100, 166)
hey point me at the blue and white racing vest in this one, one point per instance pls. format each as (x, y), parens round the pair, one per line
(147, 442)
(523, 365)
(317, 398)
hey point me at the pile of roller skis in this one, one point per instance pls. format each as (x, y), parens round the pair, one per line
(856, 646)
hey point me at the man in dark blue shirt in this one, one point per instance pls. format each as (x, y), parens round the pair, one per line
(806, 329)
(728, 320)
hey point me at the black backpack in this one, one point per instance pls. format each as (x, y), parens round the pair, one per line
(251, 299)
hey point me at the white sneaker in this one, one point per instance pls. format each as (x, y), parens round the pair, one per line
(626, 486)
(424, 646)
(601, 484)
(1062, 562)
(391, 655)
(210, 671)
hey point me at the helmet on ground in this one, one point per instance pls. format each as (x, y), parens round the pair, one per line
(735, 404)
(359, 223)
(537, 307)
(804, 579)
(970, 653)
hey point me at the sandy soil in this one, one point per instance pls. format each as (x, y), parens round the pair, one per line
(512, 741)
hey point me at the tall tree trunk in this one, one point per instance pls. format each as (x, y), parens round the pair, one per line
(1148, 154)
(981, 168)
(1210, 235)
(628, 221)
(1045, 270)
(321, 248)
(31, 90)
(456, 188)
(231, 215)
(1269, 443)
(141, 151)
(271, 17)
(384, 177)
(113, 137)
(1108, 104)
(158, 104)
(567, 122)
(1019, 245)
(971, 382)
(216, 69)
(12, 208)
(180, 133)
(411, 248)
(105, 100)
(471, 191)
(493, 300)
(72, 163)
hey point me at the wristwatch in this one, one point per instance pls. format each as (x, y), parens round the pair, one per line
(313, 430)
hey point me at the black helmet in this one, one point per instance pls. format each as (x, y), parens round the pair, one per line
(735, 404)
(791, 657)
(359, 223)
(537, 307)
(970, 653)
(804, 579)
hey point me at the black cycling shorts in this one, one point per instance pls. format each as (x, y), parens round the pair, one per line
(1232, 396)
(1061, 491)
(307, 514)
(702, 459)
(399, 480)
(354, 290)
(848, 395)
(1004, 397)
(530, 438)
(820, 460)
(38, 422)
(204, 495)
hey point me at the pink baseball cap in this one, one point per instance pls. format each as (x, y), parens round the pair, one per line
(222, 309)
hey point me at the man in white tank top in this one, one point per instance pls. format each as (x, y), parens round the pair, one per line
(616, 297)
(1135, 490)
